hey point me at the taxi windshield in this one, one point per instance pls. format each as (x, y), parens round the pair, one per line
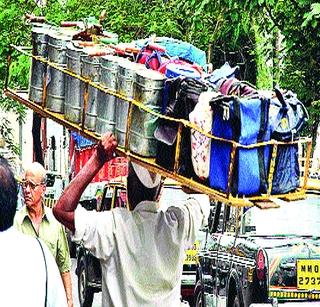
(295, 218)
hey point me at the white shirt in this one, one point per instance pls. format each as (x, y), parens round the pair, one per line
(23, 275)
(141, 252)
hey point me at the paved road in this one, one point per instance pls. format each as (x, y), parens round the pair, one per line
(97, 296)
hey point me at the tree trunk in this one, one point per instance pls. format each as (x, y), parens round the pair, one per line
(277, 56)
(36, 134)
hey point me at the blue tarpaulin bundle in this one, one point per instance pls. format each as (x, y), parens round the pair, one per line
(177, 48)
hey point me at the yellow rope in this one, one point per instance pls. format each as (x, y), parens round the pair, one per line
(142, 106)
(150, 163)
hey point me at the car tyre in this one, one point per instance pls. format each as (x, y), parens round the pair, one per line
(73, 250)
(85, 292)
(198, 296)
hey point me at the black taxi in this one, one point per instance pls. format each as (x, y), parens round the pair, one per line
(254, 257)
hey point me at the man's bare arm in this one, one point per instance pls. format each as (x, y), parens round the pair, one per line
(66, 279)
(68, 202)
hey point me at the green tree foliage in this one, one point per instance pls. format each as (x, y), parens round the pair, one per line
(247, 33)
(298, 22)
(13, 31)
(129, 19)
(226, 27)
(243, 32)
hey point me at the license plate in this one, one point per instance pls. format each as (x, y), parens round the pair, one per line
(308, 274)
(192, 254)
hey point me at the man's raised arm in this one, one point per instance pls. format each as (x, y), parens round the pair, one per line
(68, 201)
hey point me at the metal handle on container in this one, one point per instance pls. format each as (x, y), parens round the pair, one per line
(69, 24)
(98, 53)
(86, 44)
(132, 50)
(118, 50)
(33, 18)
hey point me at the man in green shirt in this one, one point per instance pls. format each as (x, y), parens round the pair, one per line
(37, 220)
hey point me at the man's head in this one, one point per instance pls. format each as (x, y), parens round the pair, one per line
(8, 195)
(142, 185)
(33, 185)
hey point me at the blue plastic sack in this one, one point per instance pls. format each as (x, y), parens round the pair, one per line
(289, 115)
(224, 72)
(286, 176)
(175, 70)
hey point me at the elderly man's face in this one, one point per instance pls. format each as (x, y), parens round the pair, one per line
(33, 189)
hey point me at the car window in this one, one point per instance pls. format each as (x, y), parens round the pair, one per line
(50, 179)
(107, 200)
(106, 205)
(223, 218)
(299, 218)
(121, 198)
(89, 204)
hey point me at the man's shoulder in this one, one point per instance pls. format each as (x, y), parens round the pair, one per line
(27, 252)
(19, 239)
(192, 206)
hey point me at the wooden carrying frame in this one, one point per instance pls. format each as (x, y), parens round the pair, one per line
(22, 97)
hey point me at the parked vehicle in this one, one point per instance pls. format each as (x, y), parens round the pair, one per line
(254, 257)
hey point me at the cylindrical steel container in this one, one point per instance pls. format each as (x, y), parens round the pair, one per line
(109, 71)
(106, 113)
(126, 75)
(38, 69)
(55, 78)
(73, 93)
(148, 89)
(90, 69)
(57, 46)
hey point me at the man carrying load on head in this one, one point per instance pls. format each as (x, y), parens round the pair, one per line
(141, 251)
